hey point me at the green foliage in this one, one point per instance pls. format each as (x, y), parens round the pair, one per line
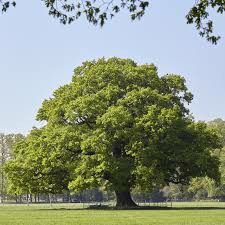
(117, 125)
(176, 192)
(36, 167)
(98, 12)
(206, 187)
(202, 188)
(7, 142)
(218, 125)
(199, 14)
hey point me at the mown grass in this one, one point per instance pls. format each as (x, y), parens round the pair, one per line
(62, 214)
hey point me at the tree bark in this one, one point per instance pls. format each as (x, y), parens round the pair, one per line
(124, 200)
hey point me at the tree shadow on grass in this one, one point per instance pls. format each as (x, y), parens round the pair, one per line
(110, 208)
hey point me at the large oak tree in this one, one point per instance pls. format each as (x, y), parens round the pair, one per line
(118, 125)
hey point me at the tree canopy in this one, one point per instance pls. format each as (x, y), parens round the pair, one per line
(98, 12)
(6, 144)
(117, 125)
(33, 170)
(219, 126)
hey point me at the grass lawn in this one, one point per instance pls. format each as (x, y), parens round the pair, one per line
(62, 214)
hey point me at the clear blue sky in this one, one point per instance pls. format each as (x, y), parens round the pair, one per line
(37, 55)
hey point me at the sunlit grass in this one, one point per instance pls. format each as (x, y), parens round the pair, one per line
(78, 214)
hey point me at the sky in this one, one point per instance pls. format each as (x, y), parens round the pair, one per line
(38, 54)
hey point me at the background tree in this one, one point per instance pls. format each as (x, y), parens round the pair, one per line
(6, 144)
(119, 125)
(33, 170)
(202, 188)
(98, 12)
(177, 192)
(219, 126)
(205, 187)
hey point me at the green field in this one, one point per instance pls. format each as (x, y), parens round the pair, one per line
(62, 214)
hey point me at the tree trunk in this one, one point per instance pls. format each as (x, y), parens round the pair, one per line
(124, 200)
